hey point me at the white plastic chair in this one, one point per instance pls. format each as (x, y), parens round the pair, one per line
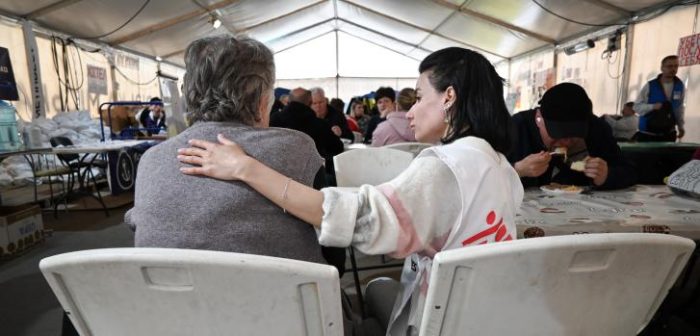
(594, 284)
(412, 147)
(373, 166)
(369, 166)
(149, 291)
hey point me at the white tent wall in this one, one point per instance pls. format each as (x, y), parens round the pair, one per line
(327, 84)
(503, 69)
(529, 78)
(312, 59)
(135, 82)
(13, 39)
(601, 77)
(655, 39)
(314, 64)
(50, 79)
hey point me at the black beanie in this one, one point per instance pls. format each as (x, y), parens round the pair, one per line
(383, 92)
(566, 110)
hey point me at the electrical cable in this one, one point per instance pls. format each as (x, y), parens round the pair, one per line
(69, 72)
(571, 20)
(650, 17)
(133, 81)
(91, 51)
(145, 3)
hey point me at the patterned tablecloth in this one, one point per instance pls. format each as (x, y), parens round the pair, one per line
(642, 208)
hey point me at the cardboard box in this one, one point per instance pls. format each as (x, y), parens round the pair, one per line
(21, 227)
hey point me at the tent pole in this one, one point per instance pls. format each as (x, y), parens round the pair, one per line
(627, 66)
(337, 63)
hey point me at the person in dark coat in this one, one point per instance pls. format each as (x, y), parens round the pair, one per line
(297, 115)
(335, 118)
(565, 119)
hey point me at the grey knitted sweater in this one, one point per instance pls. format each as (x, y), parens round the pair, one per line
(180, 211)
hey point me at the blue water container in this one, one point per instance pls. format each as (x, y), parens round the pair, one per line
(9, 136)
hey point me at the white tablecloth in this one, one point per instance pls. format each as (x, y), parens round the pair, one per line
(642, 208)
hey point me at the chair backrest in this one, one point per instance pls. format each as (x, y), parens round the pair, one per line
(412, 147)
(63, 141)
(150, 291)
(358, 137)
(369, 166)
(595, 284)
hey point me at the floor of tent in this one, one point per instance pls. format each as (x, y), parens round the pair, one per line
(28, 307)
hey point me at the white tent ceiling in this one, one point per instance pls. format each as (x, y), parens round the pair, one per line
(501, 29)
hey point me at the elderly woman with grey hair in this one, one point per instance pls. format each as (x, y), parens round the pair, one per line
(228, 90)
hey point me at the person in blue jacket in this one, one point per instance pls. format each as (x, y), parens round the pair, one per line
(565, 120)
(660, 105)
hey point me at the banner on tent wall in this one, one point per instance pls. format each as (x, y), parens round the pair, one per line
(126, 62)
(97, 79)
(175, 114)
(37, 94)
(689, 50)
(8, 87)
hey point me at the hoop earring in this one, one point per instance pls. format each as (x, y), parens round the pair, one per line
(445, 108)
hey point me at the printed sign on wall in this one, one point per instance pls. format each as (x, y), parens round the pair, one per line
(97, 79)
(127, 62)
(689, 50)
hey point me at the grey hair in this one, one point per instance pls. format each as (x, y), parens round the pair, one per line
(226, 78)
(318, 91)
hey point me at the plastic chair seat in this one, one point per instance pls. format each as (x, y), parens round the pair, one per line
(157, 291)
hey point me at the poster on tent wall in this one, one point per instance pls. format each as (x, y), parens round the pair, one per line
(174, 105)
(8, 87)
(97, 79)
(689, 50)
(37, 94)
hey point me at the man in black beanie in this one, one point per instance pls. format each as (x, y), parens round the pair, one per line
(385, 98)
(565, 122)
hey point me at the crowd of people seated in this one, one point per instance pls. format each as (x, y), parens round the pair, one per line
(254, 174)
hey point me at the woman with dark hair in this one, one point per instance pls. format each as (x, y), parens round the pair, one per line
(461, 193)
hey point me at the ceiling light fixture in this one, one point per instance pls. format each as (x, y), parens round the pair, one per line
(216, 23)
(159, 59)
(579, 47)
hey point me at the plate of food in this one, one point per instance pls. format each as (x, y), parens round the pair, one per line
(556, 188)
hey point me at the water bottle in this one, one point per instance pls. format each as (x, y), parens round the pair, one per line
(9, 137)
(32, 137)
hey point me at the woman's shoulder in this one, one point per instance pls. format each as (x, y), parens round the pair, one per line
(286, 135)
(283, 142)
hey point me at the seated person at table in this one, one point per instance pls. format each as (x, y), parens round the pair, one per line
(299, 116)
(459, 194)
(396, 128)
(565, 119)
(625, 126)
(228, 89)
(152, 118)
